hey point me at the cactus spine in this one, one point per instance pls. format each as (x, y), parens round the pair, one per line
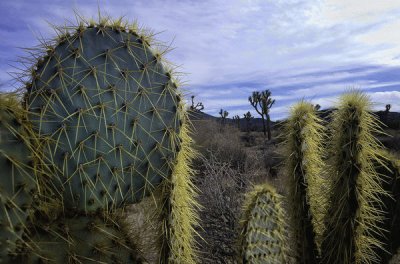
(303, 149)
(263, 227)
(179, 206)
(110, 121)
(355, 189)
(389, 172)
(106, 107)
(18, 185)
(76, 238)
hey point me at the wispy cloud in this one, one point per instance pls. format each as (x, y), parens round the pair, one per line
(297, 48)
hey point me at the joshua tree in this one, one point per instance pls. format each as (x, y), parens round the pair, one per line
(262, 102)
(196, 108)
(385, 116)
(223, 113)
(236, 118)
(317, 107)
(248, 118)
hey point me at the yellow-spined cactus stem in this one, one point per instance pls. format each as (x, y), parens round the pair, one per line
(180, 206)
(304, 168)
(356, 191)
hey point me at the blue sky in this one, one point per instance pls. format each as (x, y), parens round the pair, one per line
(313, 49)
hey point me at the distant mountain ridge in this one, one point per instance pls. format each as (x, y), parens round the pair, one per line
(390, 119)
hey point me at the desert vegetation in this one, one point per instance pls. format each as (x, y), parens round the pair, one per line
(236, 161)
(103, 162)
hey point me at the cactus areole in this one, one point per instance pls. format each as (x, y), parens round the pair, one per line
(108, 113)
(263, 237)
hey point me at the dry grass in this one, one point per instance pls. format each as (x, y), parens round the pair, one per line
(144, 228)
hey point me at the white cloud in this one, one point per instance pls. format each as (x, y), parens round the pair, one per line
(333, 12)
(334, 88)
(381, 99)
(222, 44)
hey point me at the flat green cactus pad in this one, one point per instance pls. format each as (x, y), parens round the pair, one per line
(109, 113)
(263, 227)
(78, 239)
(17, 182)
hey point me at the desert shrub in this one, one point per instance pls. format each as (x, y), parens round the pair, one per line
(223, 141)
(392, 142)
(248, 139)
(221, 191)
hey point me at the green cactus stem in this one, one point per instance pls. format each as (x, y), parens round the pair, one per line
(179, 207)
(355, 186)
(389, 172)
(304, 166)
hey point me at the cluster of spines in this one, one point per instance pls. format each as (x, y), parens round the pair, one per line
(77, 238)
(354, 185)
(72, 86)
(389, 172)
(19, 186)
(179, 207)
(303, 149)
(263, 237)
(80, 103)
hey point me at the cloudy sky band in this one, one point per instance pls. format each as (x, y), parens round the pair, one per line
(313, 49)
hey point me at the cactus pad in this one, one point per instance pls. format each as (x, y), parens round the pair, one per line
(92, 238)
(263, 227)
(18, 184)
(107, 109)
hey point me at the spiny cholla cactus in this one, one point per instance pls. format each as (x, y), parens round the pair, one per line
(178, 208)
(303, 149)
(355, 188)
(107, 111)
(263, 235)
(389, 171)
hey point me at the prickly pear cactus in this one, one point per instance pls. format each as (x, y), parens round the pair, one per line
(107, 108)
(352, 222)
(78, 238)
(18, 184)
(263, 236)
